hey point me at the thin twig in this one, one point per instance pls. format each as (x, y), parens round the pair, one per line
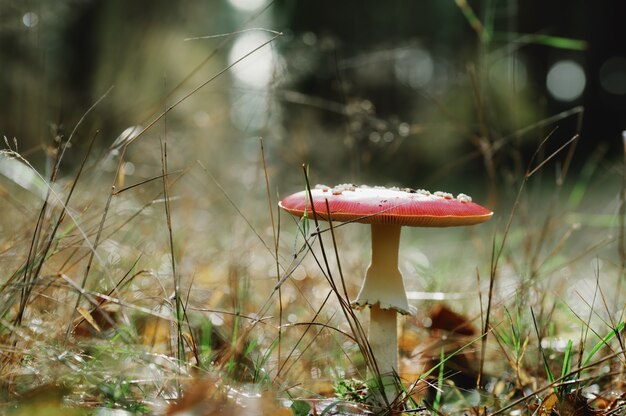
(280, 293)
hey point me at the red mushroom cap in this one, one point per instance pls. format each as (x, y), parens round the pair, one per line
(377, 205)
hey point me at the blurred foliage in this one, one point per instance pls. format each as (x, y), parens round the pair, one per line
(445, 94)
(402, 93)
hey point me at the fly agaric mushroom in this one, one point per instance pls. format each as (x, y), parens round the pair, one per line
(387, 210)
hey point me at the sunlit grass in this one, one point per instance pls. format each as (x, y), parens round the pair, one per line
(151, 293)
(158, 275)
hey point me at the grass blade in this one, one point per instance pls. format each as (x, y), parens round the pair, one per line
(557, 42)
(543, 354)
(604, 341)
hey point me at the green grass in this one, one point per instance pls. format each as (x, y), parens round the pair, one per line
(142, 339)
(184, 289)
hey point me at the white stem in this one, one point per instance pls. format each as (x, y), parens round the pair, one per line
(383, 290)
(383, 284)
(383, 339)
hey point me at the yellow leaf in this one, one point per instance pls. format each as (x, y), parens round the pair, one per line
(85, 314)
(548, 405)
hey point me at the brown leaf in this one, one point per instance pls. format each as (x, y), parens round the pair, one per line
(549, 405)
(205, 397)
(87, 315)
(446, 319)
(574, 404)
(202, 397)
(95, 320)
(154, 332)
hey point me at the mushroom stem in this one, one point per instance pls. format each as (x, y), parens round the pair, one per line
(383, 283)
(383, 290)
(383, 340)
(387, 210)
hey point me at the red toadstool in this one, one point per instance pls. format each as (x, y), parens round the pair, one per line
(387, 210)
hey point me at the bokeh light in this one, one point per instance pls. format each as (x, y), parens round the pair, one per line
(247, 5)
(414, 67)
(30, 19)
(613, 75)
(566, 80)
(252, 77)
(509, 71)
(256, 70)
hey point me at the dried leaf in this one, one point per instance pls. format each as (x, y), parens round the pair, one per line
(155, 332)
(549, 405)
(205, 397)
(87, 315)
(446, 319)
(574, 404)
(94, 321)
(202, 397)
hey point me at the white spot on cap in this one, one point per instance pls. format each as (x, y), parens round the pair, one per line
(444, 195)
(339, 189)
(464, 198)
(392, 192)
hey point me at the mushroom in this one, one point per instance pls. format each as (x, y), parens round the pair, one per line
(386, 210)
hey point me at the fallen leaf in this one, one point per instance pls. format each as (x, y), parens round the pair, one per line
(575, 404)
(444, 318)
(549, 405)
(87, 315)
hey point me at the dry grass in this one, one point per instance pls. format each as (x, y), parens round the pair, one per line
(154, 297)
(145, 280)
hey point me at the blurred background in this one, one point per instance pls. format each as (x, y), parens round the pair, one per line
(415, 93)
(452, 95)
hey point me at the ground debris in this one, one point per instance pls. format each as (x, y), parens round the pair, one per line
(572, 404)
